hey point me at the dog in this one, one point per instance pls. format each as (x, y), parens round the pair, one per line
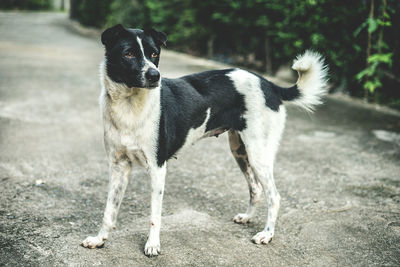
(148, 119)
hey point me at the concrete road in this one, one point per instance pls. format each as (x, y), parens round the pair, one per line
(337, 171)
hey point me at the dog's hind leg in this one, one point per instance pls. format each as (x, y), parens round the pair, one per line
(262, 142)
(119, 175)
(238, 150)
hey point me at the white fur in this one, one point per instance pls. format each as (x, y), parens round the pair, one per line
(261, 138)
(152, 247)
(312, 79)
(148, 64)
(196, 134)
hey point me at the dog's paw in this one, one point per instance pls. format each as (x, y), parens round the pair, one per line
(262, 237)
(152, 249)
(93, 242)
(242, 218)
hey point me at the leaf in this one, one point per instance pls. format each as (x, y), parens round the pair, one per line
(298, 43)
(357, 48)
(369, 86)
(386, 15)
(316, 38)
(384, 23)
(262, 21)
(372, 25)
(372, 85)
(362, 74)
(381, 58)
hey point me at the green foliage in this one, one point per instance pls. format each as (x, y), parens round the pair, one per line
(90, 12)
(26, 4)
(127, 12)
(241, 32)
(379, 62)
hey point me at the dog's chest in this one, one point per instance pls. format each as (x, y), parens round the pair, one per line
(134, 129)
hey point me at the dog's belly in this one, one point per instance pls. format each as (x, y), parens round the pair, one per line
(200, 132)
(215, 132)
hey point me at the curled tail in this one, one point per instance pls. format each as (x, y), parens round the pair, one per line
(310, 86)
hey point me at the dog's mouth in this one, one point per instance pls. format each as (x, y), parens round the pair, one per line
(152, 85)
(144, 85)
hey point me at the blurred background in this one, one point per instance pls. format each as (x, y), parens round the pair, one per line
(337, 170)
(360, 39)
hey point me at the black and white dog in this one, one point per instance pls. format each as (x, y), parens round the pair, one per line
(147, 120)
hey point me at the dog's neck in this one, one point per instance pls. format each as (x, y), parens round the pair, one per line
(120, 92)
(124, 100)
(126, 106)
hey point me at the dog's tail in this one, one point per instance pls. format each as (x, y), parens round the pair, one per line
(310, 86)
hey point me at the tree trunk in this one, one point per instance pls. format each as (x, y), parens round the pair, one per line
(382, 27)
(380, 40)
(210, 47)
(371, 16)
(73, 10)
(268, 60)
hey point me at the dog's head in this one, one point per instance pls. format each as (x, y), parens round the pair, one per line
(132, 56)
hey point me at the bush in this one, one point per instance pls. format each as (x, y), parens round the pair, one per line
(91, 13)
(131, 12)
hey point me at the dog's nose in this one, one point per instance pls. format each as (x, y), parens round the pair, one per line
(152, 75)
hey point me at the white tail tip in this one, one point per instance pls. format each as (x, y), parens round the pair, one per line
(312, 79)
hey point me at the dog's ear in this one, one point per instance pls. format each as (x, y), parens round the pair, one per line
(110, 35)
(159, 38)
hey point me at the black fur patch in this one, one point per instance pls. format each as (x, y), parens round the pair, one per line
(288, 94)
(241, 150)
(184, 103)
(242, 164)
(274, 94)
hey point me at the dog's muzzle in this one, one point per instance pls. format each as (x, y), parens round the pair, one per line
(152, 76)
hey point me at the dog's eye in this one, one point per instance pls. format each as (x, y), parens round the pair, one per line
(129, 55)
(154, 55)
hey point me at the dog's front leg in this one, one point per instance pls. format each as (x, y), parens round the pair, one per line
(119, 176)
(157, 174)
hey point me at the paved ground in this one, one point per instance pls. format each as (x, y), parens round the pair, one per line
(338, 178)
